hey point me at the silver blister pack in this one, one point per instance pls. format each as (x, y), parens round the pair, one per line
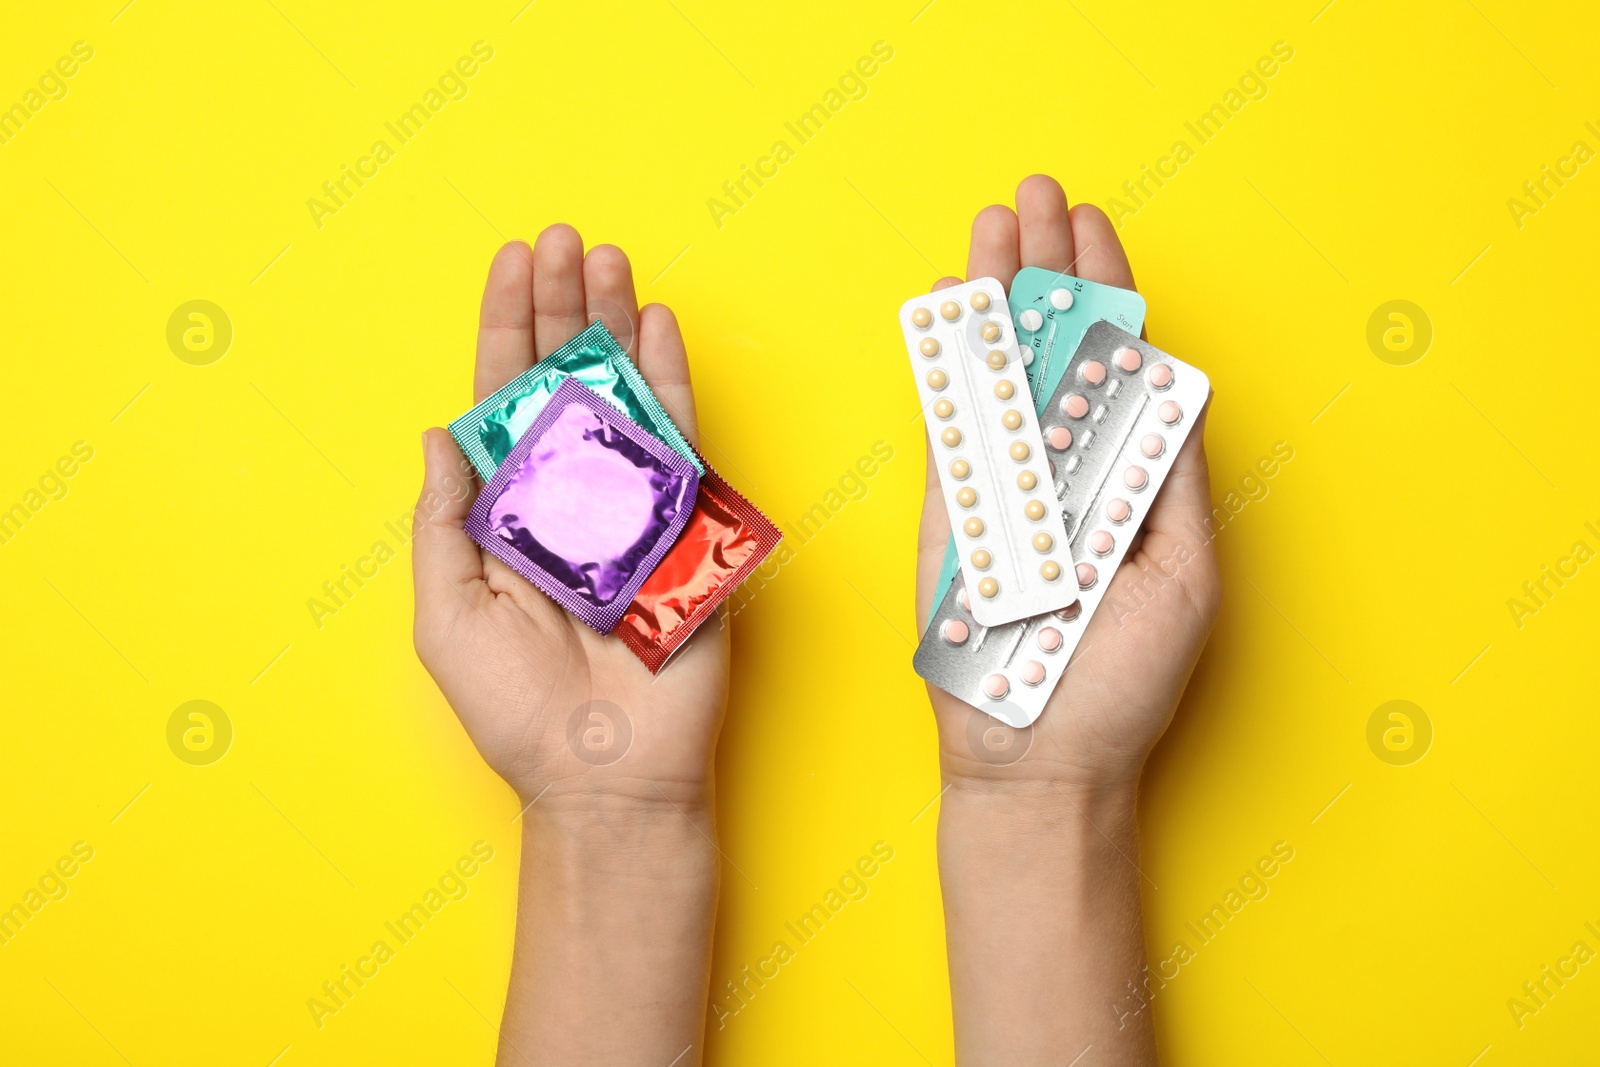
(1112, 429)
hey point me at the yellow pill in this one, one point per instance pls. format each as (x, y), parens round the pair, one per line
(981, 559)
(929, 347)
(1035, 511)
(1019, 450)
(1042, 542)
(960, 469)
(951, 436)
(944, 409)
(922, 318)
(990, 332)
(1027, 480)
(938, 379)
(1004, 390)
(1012, 420)
(988, 588)
(980, 301)
(973, 527)
(950, 310)
(1050, 570)
(966, 496)
(996, 359)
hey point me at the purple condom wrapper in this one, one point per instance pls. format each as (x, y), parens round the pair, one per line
(585, 505)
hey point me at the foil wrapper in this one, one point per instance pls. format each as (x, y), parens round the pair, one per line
(490, 430)
(725, 540)
(585, 505)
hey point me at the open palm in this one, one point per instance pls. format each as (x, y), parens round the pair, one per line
(553, 706)
(1122, 686)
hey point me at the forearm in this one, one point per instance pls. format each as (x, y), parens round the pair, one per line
(1043, 924)
(615, 917)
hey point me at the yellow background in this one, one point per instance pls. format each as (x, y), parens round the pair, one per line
(1378, 566)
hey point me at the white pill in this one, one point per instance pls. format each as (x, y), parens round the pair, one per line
(1061, 299)
(1031, 319)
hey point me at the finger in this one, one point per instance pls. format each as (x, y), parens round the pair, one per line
(994, 251)
(446, 565)
(558, 307)
(664, 362)
(609, 296)
(1099, 249)
(505, 320)
(934, 529)
(1046, 231)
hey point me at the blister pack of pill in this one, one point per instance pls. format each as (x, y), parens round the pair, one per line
(1052, 311)
(989, 451)
(1113, 426)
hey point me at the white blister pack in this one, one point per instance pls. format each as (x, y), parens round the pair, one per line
(989, 451)
(1112, 429)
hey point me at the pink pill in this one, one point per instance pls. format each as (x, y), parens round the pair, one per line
(1049, 639)
(996, 686)
(1059, 438)
(1087, 576)
(955, 631)
(1169, 412)
(1070, 612)
(1075, 406)
(1118, 511)
(1135, 478)
(1152, 445)
(966, 604)
(1033, 672)
(1160, 376)
(1100, 543)
(1129, 359)
(1094, 372)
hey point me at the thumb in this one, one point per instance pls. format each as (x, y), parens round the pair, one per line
(444, 559)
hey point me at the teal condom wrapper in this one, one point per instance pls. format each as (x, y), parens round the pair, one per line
(489, 432)
(1052, 311)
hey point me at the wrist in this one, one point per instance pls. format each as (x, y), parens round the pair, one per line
(616, 911)
(1041, 889)
(1066, 752)
(1040, 777)
(1035, 806)
(591, 838)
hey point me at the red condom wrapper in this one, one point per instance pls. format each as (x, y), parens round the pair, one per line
(724, 541)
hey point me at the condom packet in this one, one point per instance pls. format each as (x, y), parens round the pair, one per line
(585, 505)
(725, 540)
(491, 429)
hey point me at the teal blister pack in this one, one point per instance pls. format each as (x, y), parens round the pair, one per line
(1052, 311)
(490, 430)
